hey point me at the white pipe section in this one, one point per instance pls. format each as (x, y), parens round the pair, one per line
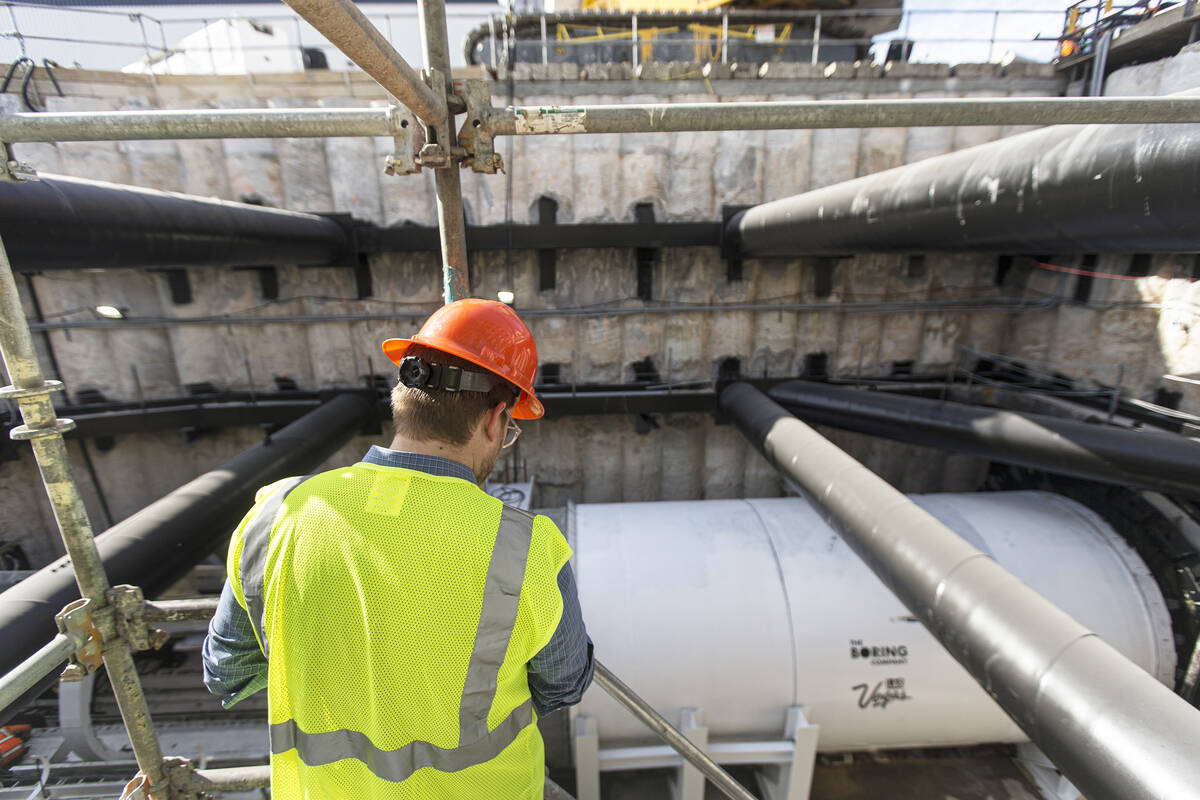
(746, 607)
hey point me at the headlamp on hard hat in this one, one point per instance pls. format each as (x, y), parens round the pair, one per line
(416, 373)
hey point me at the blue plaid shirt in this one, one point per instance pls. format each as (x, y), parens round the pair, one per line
(234, 666)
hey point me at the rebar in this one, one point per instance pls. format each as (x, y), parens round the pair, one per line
(350, 31)
(677, 117)
(669, 734)
(44, 431)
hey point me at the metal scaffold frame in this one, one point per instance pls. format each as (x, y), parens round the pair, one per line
(109, 623)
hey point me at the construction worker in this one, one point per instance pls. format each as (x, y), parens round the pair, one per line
(409, 627)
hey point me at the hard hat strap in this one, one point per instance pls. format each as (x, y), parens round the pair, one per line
(416, 373)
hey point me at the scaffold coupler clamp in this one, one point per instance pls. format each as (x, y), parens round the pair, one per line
(130, 605)
(75, 622)
(435, 153)
(475, 134)
(178, 777)
(15, 170)
(407, 136)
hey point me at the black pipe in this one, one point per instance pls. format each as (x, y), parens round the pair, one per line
(1109, 726)
(1145, 459)
(1062, 189)
(158, 545)
(69, 223)
(241, 409)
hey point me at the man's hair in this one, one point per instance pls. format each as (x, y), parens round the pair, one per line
(450, 417)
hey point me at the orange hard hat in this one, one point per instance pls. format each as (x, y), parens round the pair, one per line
(486, 333)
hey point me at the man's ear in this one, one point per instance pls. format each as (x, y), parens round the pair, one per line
(494, 422)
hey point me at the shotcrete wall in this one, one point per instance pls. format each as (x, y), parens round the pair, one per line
(593, 178)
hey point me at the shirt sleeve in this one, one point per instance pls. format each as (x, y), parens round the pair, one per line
(234, 665)
(561, 671)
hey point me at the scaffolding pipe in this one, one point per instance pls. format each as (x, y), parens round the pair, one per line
(229, 779)
(1150, 459)
(159, 544)
(117, 126)
(191, 609)
(677, 117)
(81, 126)
(669, 734)
(44, 431)
(1113, 730)
(349, 30)
(32, 671)
(452, 228)
(1061, 189)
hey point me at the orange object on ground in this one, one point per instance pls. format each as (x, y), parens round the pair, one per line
(486, 333)
(12, 743)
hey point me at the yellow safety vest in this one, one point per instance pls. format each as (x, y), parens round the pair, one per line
(398, 611)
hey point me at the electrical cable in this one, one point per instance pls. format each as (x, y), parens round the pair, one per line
(1092, 274)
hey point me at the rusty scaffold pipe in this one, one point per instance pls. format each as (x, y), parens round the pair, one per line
(451, 220)
(219, 123)
(783, 115)
(95, 615)
(349, 30)
(78, 126)
(1113, 730)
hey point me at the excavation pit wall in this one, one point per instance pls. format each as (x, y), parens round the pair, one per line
(873, 316)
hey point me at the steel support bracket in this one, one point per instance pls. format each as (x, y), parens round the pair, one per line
(15, 170)
(405, 130)
(435, 153)
(475, 135)
(130, 606)
(75, 621)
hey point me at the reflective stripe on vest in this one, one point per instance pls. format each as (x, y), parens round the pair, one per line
(256, 538)
(498, 615)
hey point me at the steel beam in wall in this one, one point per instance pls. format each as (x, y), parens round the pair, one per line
(419, 238)
(241, 409)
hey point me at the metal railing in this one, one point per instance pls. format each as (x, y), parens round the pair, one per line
(764, 35)
(119, 39)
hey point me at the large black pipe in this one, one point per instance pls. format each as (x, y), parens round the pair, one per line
(1062, 189)
(159, 544)
(69, 223)
(1147, 459)
(1113, 730)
